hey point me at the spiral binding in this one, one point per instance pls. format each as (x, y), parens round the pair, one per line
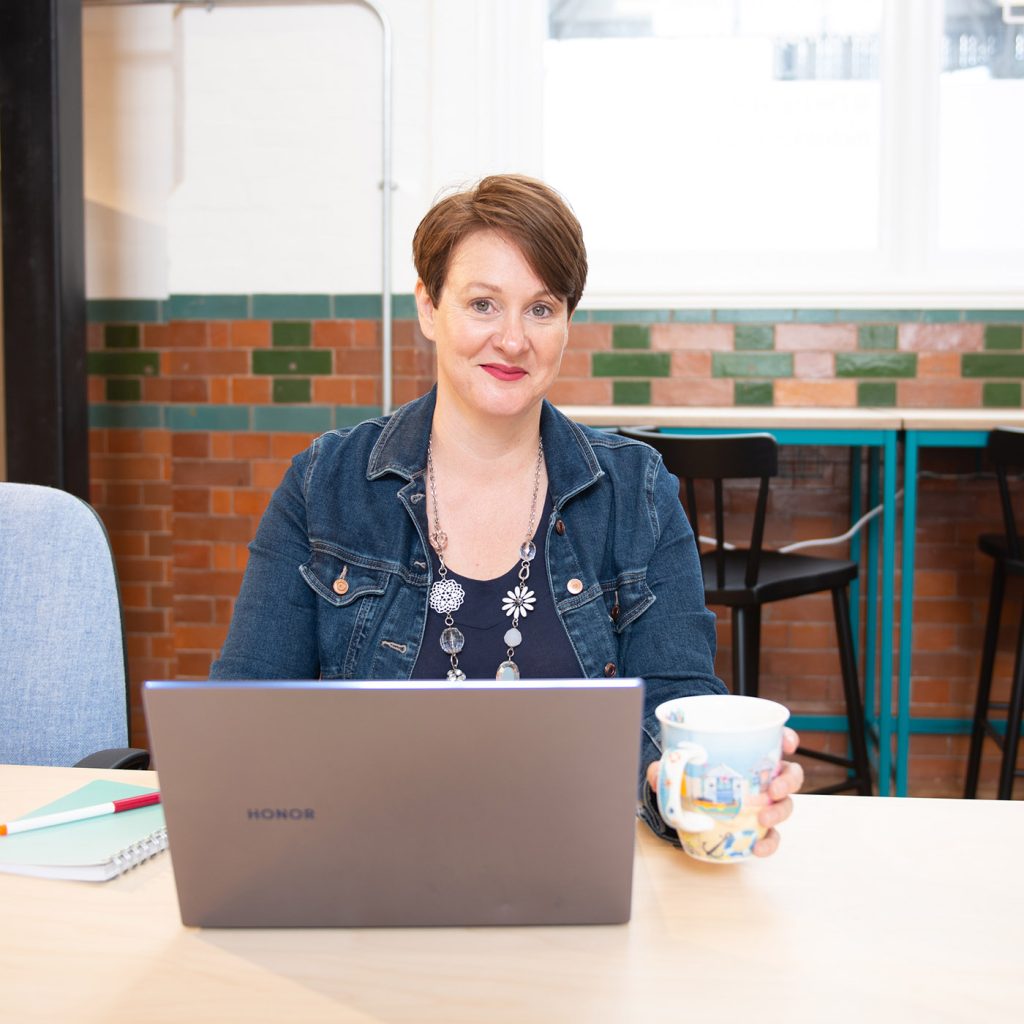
(132, 856)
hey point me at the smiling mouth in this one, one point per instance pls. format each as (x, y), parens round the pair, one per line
(500, 372)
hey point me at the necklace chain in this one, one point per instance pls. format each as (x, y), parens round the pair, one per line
(447, 595)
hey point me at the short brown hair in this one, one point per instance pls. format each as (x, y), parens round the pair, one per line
(529, 213)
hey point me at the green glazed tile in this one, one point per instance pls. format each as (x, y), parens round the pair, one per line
(1003, 337)
(123, 364)
(754, 392)
(631, 336)
(631, 392)
(631, 364)
(292, 389)
(814, 316)
(629, 316)
(350, 415)
(753, 316)
(207, 417)
(357, 307)
(994, 316)
(207, 307)
(878, 316)
(941, 316)
(403, 307)
(293, 334)
(308, 419)
(877, 336)
(876, 364)
(121, 389)
(876, 393)
(136, 417)
(691, 316)
(1001, 394)
(750, 338)
(291, 362)
(140, 311)
(984, 364)
(751, 364)
(291, 307)
(121, 336)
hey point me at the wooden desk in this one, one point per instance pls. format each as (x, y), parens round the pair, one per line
(885, 910)
(876, 429)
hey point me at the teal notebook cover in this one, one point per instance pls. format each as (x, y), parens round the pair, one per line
(93, 850)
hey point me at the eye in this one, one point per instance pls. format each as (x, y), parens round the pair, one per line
(541, 309)
(481, 305)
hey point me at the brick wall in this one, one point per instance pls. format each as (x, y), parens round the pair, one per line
(197, 403)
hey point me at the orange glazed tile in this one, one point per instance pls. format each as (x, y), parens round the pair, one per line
(712, 337)
(269, 473)
(581, 392)
(188, 389)
(221, 446)
(156, 389)
(333, 390)
(332, 333)
(842, 393)
(358, 362)
(677, 391)
(250, 446)
(366, 333)
(939, 394)
(220, 390)
(187, 334)
(815, 338)
(250, 333)
(250, 390)
(219, 334)
(575, 364)
(690, 364)
(285, 446)
(192, 363)
(156, 335)
(938, 364)
(590, 337)
(941, 337)
(814, 365)
(366, 391)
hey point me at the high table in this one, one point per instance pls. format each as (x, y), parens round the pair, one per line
(930, 428)
(875, 429)
(873, 909)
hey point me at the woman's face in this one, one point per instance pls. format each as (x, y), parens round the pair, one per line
(498, 331)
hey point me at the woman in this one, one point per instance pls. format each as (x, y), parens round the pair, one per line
(477, 532)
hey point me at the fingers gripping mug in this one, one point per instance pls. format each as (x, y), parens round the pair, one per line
(720, 753)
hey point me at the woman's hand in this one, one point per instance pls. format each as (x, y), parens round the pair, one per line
(783, 786)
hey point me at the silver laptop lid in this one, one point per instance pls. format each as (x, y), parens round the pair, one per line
(384, 803)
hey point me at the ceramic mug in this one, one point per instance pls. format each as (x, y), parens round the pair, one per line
(720, 752)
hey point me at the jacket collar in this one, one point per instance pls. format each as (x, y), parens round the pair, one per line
(402, 448)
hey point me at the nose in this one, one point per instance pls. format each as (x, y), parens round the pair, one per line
(512, 336)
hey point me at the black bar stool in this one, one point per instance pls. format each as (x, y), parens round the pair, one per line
(744, 579)
(1006, 451)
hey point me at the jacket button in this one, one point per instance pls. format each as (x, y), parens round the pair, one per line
(559, 527)
(340, 586)
(574, 586)
(610, 669)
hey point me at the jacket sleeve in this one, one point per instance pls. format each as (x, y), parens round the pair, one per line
(672, 644)
(273, 629)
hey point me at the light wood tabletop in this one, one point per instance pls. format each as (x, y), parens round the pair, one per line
(877, 909)
(762, 417)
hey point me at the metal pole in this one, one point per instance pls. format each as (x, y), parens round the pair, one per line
(387, 186)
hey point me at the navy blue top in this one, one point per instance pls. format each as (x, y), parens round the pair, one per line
(545, 652)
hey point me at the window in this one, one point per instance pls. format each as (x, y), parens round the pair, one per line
(790, 149)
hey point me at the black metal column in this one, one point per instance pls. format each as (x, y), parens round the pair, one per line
(41, 193)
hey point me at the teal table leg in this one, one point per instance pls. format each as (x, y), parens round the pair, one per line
(871, 613)
(856, 511)
(907, 610)
(888, 618)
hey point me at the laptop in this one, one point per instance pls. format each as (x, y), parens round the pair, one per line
(360, 804)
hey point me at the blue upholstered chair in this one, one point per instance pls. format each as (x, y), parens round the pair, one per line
(63, 679)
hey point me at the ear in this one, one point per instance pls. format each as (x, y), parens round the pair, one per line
(425, 310)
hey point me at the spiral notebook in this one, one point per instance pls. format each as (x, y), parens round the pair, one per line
(94, 850)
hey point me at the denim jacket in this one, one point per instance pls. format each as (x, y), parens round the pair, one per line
(353, 505)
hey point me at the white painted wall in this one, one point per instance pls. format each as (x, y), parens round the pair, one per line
(238, 150)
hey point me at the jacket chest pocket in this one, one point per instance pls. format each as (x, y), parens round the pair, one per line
(627, 599)
(351, 598)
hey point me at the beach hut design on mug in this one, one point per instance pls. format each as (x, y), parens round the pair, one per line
(722, 791)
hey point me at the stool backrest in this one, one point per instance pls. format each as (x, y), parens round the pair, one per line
(1006, 450)
(719, 457)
